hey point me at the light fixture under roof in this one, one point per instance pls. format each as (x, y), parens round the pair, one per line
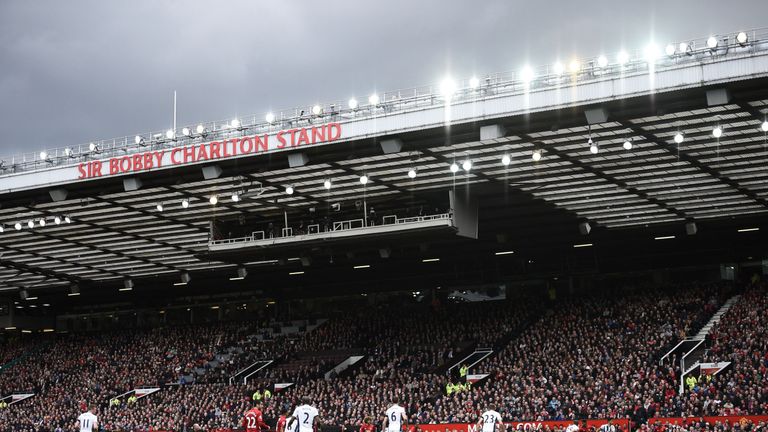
(582, 245)
(362, 266)
(669, 237)
(712, 42)
(743, 230)
(506, 160)
(593, 147)
(327, 184)
(429, 260)
(466, 165)
(289, 190)
(764, 126)
(627, 144)
(159, 207)
(363, 179)
(214, 199)
(509, 252)
(412, 173)
(717, 132)
(536, 155)
(679, 138)
(185, 203)
(235, 196)
(454, 168)
(170, 134)
(185, 131)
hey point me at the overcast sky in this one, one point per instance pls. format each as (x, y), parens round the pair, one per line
(75, 71)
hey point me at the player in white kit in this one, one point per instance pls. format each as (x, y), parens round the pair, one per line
(395, 417)
(306, 416)
(87, 421)
(490, 421)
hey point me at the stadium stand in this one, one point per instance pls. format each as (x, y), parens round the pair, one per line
(582, 357)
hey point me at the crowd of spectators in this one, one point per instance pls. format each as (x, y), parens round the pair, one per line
(741, 338)
(584, 357)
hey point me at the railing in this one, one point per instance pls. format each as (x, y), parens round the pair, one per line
(465, 90)
(346, 225)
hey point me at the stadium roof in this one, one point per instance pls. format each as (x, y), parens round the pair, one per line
(657, 186)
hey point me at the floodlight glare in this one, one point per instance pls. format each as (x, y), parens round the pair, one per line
(317, 109)
(67, 219)
(742, 38)
(168, 134)
(593, 148)
(467, 165)
(352, 104)
(68, 152)
(373, 99)
(651, 53)
(31, 223)
(622, 58)
(363, 179)
(200, 129)
(506, 160)
(185, 203)
(627, 145)
(327, 184)
(17, 225)
(412, 173)
(93, 147)
(558, 68)
(679, 137)
(474, 82)
(454, 168)
(159, 207)
(42, 222)
(270, 118)
(717, 132)
(574, 66)
(536, 155)
(185, 131)
(764, 126)
(235, 197)
(447, 88)
(670, 50)
(602, 61)
(43, 155)
(526, 74)
(57, 220)
(289, 190)
(235, 123)
(712, 42)
(137, 139)
(213, 199)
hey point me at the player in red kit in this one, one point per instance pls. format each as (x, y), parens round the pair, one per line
(280, 427)
(253, 420)
(367, 426)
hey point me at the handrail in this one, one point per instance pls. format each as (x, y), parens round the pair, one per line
(346, 225)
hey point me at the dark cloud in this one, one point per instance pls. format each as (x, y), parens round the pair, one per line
(76, 71)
